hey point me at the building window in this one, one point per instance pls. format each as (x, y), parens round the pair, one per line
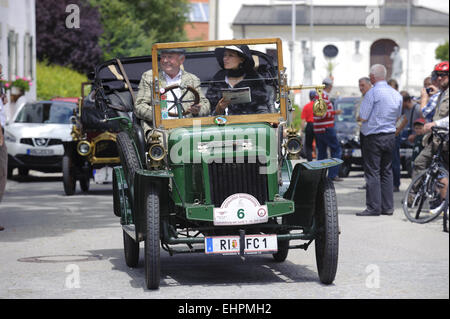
(28, 56)
(12, 54)
(199, 12)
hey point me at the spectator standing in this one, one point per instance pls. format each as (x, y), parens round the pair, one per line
(308, 125)
(380, 109)
(364, 87)
(393, 83)
(325, 132)
(410, 113)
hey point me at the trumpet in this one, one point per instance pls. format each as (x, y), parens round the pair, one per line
(319, 106)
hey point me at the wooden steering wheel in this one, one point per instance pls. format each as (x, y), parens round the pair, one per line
(178, 101)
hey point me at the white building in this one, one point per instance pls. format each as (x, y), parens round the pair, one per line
(365, 32)
(18, 43)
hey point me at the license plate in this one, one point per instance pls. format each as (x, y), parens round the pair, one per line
(356, 152)
(40, 151)
(230, 245)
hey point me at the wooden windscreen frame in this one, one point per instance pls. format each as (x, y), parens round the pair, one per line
(273, 118)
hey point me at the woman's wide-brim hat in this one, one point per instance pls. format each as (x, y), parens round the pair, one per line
(242, 50)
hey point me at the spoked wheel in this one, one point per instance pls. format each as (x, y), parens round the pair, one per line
(327, 236)
(422, 202)
(69, 179)
(152, 245)
(131, 249)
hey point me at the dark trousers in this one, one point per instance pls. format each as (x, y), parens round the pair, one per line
(396, 162)
(325, 140)
(377, 150)
(309, 138)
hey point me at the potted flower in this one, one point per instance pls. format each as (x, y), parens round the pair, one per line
(20, 85)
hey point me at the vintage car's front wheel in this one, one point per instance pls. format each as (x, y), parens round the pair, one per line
(69, 179)
(152, 250)
(327, 235)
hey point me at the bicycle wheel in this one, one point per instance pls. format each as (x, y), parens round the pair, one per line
(422, 202)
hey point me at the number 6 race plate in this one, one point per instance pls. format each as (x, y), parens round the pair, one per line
(240, 209)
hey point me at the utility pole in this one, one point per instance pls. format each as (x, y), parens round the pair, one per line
(292, 43)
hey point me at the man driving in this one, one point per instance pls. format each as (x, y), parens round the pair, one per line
(171, 74)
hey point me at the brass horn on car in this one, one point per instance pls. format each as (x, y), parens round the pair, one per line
(319, 106)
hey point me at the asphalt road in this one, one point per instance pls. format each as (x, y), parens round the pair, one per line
(55, 246)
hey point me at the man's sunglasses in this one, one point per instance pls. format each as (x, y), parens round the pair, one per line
(437, 73)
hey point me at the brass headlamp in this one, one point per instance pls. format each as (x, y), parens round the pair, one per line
(293, 144)
(84, 148)
(156, 152)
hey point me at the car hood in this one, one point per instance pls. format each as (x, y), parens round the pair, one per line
(30, 130)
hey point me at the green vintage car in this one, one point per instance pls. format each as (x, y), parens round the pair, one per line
(227, 184)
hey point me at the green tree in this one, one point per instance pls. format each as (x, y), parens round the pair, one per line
(442, 52)
(132, 26)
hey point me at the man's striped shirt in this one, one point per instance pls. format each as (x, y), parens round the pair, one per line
(327, 120)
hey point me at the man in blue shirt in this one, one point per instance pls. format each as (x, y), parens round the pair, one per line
(380, 109)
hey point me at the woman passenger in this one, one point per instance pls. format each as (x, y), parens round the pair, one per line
(237, 72)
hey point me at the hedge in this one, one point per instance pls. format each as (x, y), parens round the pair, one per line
(55, 80)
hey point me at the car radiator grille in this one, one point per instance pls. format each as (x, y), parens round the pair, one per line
(105, 149)
(231, 178)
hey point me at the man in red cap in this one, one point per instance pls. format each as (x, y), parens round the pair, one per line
(423, 160)
(440, 72)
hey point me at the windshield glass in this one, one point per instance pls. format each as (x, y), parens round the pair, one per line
(348, 111)
(229, 80)
(46, 112)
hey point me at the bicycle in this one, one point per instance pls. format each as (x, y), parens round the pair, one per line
(423, 202)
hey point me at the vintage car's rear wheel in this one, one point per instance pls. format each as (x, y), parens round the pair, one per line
(327, 235)
(69, 179)
(131, 250)
(152, 250)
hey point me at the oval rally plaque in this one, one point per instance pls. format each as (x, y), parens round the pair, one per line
(240, 209)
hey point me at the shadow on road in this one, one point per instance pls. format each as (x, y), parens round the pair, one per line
(199, 270)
